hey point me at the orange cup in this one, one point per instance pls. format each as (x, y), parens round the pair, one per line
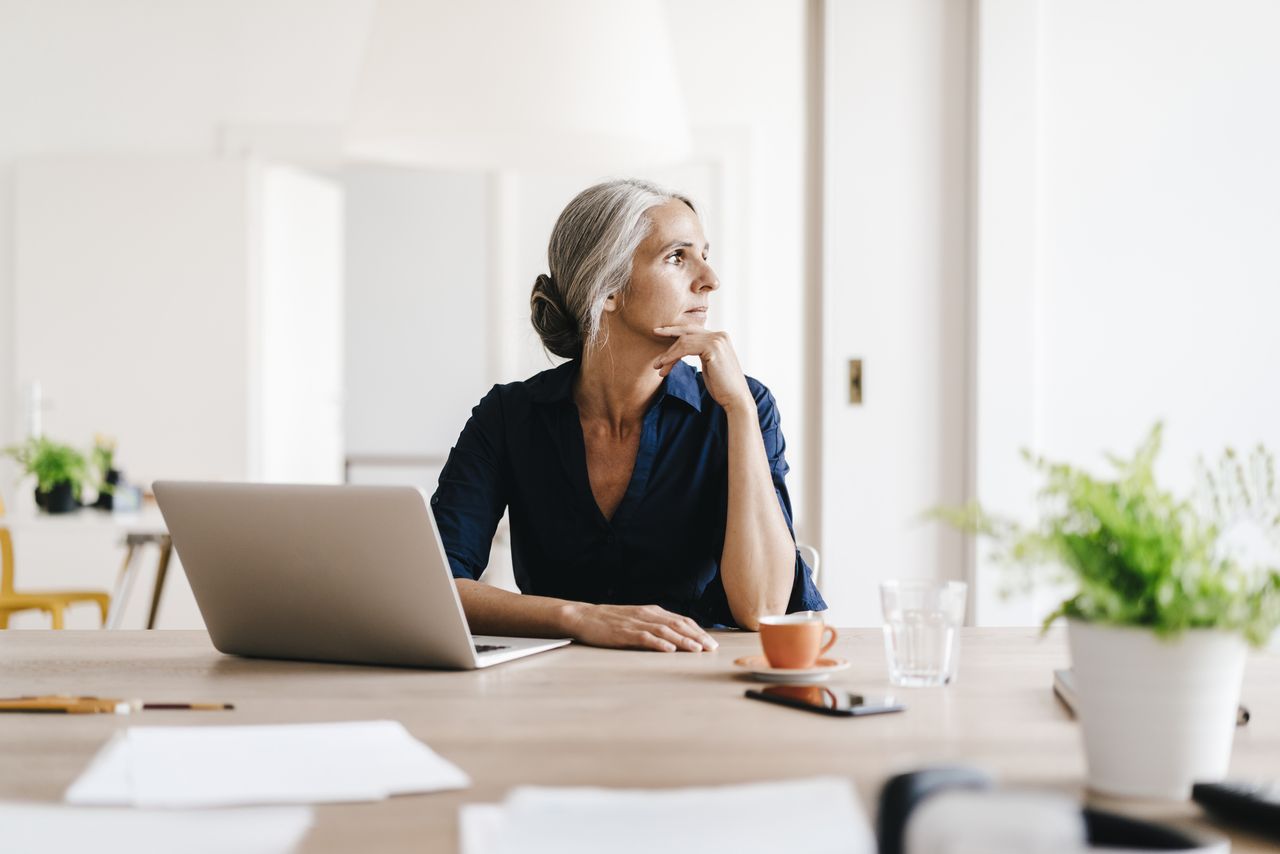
(795, 641)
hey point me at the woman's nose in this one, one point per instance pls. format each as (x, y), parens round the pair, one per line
(707, 279)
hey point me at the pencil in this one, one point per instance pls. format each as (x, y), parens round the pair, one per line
(97, 705)
(64, 705)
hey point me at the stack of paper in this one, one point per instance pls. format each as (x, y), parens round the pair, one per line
(817, 816)
(49, 828)
(214, 766)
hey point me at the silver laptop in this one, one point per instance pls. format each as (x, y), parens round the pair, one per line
(326, 573)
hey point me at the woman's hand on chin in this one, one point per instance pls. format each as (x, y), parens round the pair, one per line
(636, 627)
(720, 369)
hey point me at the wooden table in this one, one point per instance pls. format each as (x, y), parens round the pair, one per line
(583, 716)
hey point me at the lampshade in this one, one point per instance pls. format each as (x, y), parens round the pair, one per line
(519, 84)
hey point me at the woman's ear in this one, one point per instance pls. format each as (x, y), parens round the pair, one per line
(611, 302)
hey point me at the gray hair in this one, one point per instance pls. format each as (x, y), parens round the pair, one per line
(589, 257)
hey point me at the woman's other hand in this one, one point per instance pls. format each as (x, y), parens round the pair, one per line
(636, 627)
(720, 369)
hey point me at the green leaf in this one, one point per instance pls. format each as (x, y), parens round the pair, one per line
(1138, 555)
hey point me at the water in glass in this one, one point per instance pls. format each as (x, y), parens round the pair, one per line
(921, 630)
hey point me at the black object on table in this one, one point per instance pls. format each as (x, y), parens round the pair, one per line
(1255, 806)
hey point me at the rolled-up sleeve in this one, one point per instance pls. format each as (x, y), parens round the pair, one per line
(472, 493)
(804, 593)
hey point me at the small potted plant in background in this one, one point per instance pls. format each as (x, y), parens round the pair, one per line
(103, 456)
(1167, 595)
(60, 472)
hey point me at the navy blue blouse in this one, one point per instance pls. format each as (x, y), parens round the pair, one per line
(523, 449)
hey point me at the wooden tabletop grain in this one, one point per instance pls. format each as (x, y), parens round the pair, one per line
(584, 716)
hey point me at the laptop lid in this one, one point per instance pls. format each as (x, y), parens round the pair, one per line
(319, 573)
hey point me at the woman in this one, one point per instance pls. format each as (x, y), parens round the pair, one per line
(647, 499)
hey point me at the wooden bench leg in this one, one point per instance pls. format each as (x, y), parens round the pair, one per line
(124, 584)
(162, 569)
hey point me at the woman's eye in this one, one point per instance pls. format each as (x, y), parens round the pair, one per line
(676, 257)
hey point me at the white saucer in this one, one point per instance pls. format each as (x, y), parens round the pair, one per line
(758, 667)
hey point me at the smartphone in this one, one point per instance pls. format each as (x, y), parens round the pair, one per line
(827, 701)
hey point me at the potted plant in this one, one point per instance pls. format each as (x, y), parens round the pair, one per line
(60, 472)
(1167, 594)
(103, 456)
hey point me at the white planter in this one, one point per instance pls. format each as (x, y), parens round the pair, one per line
(1156, 715)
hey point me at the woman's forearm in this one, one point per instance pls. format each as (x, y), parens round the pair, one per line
(758, 562)
(493, 611)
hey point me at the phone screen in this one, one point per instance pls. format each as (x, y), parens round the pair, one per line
(821, 698)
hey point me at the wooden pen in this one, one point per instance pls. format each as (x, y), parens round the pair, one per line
(96, 705)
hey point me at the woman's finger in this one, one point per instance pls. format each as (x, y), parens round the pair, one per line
(648, 640)
(667, 360)
(686, 345)
(698, 339)
(680, 640)
(695, 631)
(676, 331)
(670, 355)
(685, 627)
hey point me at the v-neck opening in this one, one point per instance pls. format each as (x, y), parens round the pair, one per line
(640, 470)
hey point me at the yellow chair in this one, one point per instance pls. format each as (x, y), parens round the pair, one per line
(53, 602)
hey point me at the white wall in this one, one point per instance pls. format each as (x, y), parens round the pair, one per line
(417, 314)
(159, 78)
(1160, 227)
(1150, 280)
(10, 416)
(156, 76)
(1108, 180)
(895, 294)
(1005, 312)
(152, 79)
(296, 435)
(133, 318)
(132, 292)
(188, 307)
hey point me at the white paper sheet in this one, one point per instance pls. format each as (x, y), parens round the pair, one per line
(817, 816)
(108, 781)
(215, 766)
(76, 830)
(480, 828)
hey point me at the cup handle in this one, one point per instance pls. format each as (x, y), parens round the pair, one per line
(829, 643)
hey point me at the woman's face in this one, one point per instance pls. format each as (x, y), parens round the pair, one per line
(671, 281)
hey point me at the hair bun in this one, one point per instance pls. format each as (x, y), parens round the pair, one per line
(551, 320)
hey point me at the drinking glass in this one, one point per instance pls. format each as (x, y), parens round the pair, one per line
(922, 622)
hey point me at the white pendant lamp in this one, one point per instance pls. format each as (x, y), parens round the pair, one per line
(518, 84)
